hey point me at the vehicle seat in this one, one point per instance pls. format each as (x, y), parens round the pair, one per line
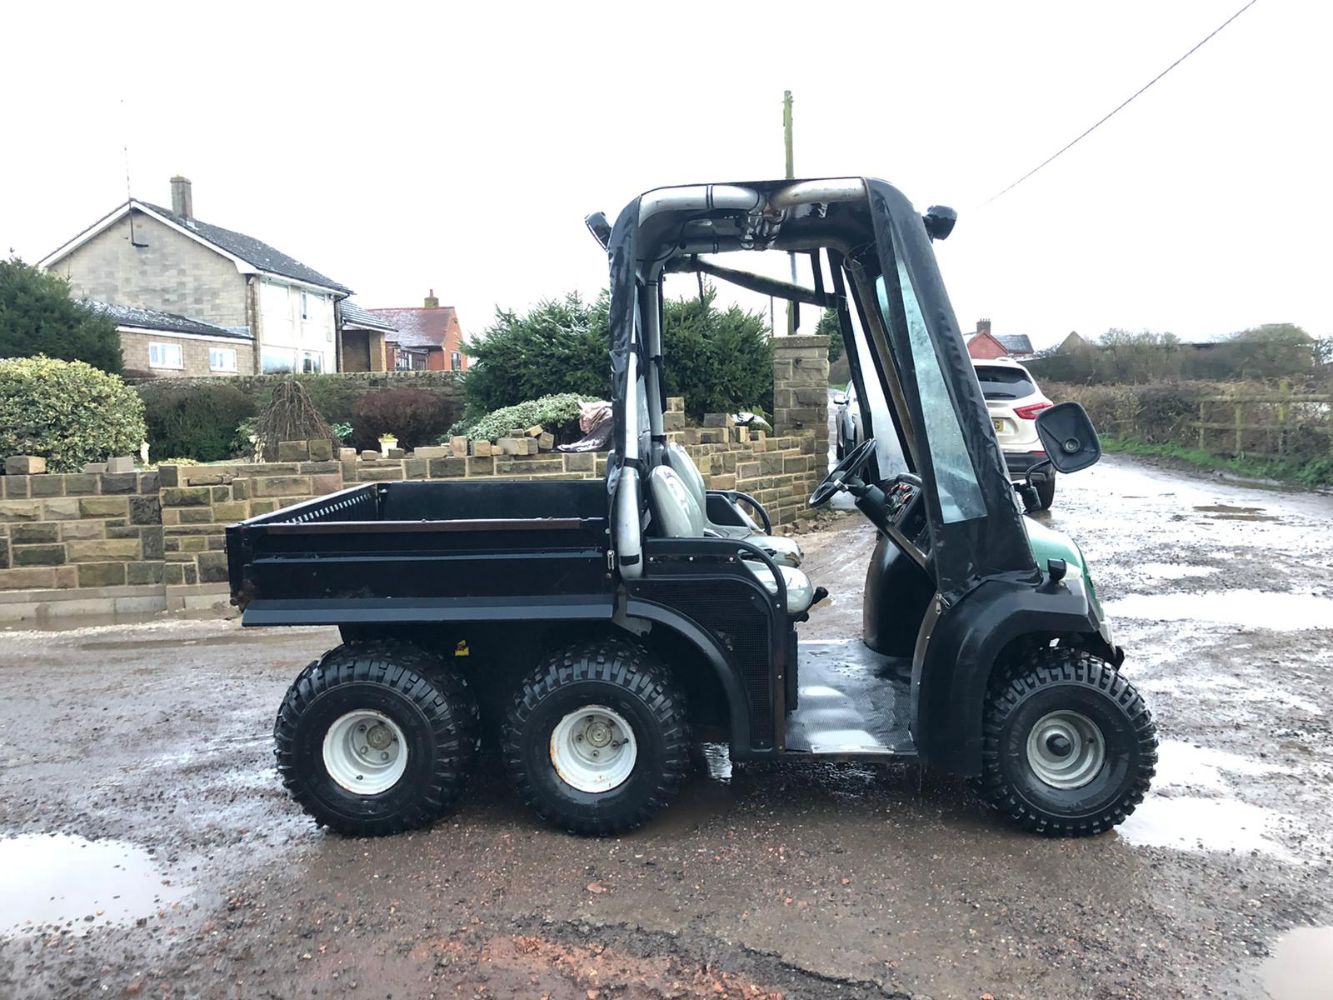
(681, 517)
(782, 550)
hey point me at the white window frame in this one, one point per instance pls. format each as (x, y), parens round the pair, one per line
(227, 354)
(305, 305)
(317, 357)
(290, 357)
(160, 348)
(456, 361)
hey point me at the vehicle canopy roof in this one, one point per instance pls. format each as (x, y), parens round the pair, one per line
(976, 529)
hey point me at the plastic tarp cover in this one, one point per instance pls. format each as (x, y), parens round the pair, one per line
(622, 255)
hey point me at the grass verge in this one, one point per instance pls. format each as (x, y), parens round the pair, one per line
(1314, 473)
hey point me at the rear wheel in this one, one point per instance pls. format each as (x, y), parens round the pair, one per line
(1069, 747)
(596, 740)
(376, 738)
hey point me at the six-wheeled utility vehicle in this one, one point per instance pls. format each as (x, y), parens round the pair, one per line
(589, 631)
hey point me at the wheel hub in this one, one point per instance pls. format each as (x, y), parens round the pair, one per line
(1065, 749)
(593, 749)
(365, 752)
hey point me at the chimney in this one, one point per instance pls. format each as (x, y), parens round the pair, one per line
(182, 201)
(983, 326)
(431, 301)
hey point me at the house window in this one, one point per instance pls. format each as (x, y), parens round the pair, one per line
(305, 306)
(276, 360)
(312, 362)
(166, 356)
(456, 361)
(222, 359)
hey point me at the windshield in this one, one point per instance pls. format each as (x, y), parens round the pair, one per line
(1001, 382)
(955, 480)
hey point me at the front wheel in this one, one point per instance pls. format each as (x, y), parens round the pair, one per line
(1069, 747)
(596, 740)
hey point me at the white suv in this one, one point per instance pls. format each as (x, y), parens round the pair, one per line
(1014, 400)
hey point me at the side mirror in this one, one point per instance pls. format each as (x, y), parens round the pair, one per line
(840, 399)
(939, 220)
(1068, 436)
(599, 227)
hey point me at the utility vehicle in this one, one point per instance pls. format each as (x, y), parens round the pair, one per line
(594, 629)
(1015, 401)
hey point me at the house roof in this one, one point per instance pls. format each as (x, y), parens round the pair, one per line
(151, 319)
(419, 327)
(251, 250)
(1015, 343)
(355, 316)
(246, 251)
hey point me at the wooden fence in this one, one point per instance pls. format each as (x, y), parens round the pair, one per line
(1279, 424)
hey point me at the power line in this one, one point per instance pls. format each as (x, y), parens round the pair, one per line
(1119, 107)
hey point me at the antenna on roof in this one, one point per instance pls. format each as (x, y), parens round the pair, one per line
(128, 196)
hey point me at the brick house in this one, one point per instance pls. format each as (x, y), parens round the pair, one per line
(176, 275)
(984, 345)
(426, 338)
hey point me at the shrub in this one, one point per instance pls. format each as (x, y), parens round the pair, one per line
(289, 416)
(195, 420)
(718, 360)
(559, 414)
(37, 317)
(66, 411)
(413, 416)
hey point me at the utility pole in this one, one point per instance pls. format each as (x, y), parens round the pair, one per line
(791, 174)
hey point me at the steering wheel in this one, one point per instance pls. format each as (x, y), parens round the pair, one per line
(853, 465)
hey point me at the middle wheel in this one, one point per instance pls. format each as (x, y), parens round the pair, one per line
(596, 739)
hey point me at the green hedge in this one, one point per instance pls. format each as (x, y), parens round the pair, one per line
(68, 412)
(197, 420)
(559, 414)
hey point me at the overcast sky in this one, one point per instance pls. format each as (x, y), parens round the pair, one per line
(458, 146)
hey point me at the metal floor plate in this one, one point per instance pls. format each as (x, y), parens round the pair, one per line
(852, 701)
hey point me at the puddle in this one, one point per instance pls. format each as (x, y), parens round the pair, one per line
(1189, 823)
(1184, 765)
(1172, 571)
(1301, 966)
(1246, 608)
(70, 880)
(1227, 512)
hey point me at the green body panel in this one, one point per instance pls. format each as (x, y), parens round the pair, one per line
(1048, 544)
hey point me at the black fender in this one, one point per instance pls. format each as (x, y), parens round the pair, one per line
(957, 650)
(711, 653)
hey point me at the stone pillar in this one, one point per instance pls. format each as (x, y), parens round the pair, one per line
(800, 388)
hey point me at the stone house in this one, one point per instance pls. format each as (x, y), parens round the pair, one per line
(427, 338)
(363, 338)
(275, 312)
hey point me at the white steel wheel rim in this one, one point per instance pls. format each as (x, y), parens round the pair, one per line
(1065, 749)
(365, 752)
(593, 749)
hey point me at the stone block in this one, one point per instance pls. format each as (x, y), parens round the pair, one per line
(17, 487)
(145, 510)
(433, 451)
(100, 550)
(719, 420)
(280, 486)
(448, 468)
(545, 441)
(293, 451)
(38, 555)
(580, 461)
(417, 468)
(213, 567)
(196, 515)
(743, 435)
(482, 465)
(60, 509)
(94, 468)
(258, 507)
(673, 421)
(25, 465)
(47, 486)
(77, 531)
(458, 445)
(138, 574)
(114, 530)
(114, 483)
(510, 446)
(482, 449)
(20, 510)
(347, 455)
(104, 507)
(108, 574)
(714, 435)
(799, 463)
(321, 450)
(193, 543)
(34, 578)
(396, 453)
(536, 430)
(370, 456)
(120, 464)
(722, 482)
(35, 534)
(329, 482)
(186, 496)
(149, 482)
(173, 574)
(80, 484)
(675, 404)
(168, 475)
(152, 538)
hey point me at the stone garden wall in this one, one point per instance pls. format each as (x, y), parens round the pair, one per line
(134, 542)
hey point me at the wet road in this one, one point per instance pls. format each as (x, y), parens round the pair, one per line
(146, 848)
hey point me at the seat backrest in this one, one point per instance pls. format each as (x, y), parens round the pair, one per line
(683, 466)
(676, 510)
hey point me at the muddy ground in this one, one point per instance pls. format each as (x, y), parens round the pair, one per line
(148, 849)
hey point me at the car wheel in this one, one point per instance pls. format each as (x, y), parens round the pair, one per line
(596, 740)
(1045, 493)
(1069, 748)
